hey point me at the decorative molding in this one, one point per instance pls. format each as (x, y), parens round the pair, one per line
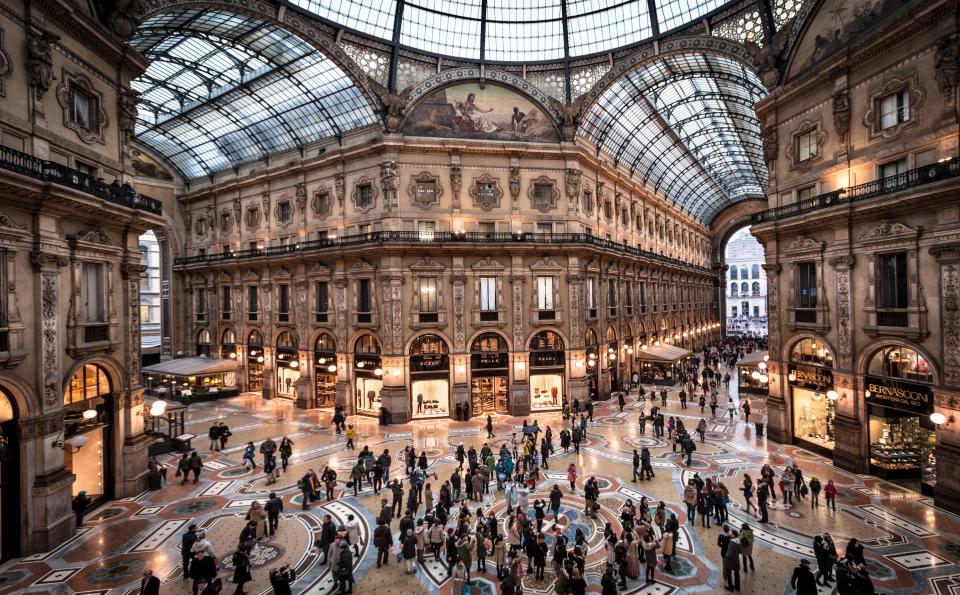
(390, 182)
(545, 264)
(393, 104)
(70, 84)
(7, 222)
(277, 211)
(322, 203)
(947, 65)
(265, 200)
(355, 195)
(587, 203)
(541, 203)
(887, 230)
(486, 203)
(459, 332)
(49, 338)
(237, 212)
(514, 181)
(895, 84)
(572, 184)
(40, 63)
(950, 300)
(94, 236)
(427, 264)
(456, 181)
(804, 127)
(488, 263)
(127, 112)
(418, 199)
(301, 198)
(252, 217)
(805, 245)
(6, 66)
(841, 115)
(226, 221)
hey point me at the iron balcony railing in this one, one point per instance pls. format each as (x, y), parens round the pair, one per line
(882, 187)
(438, 237)
(48, 171)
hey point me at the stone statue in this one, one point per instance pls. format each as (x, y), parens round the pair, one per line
(766, 59)
(393, 103)
(127, 116)
(568, 115)
(124, 20)
(841, 114)
(771, 140)
(40, 61)
(947, 65)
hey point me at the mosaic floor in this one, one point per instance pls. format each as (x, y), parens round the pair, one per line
(912, 547)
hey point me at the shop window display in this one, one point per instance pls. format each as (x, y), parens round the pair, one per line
(546, 391)
(429, 377)
(368, 394)
(901, 447)
(431, 398)
(813, 416)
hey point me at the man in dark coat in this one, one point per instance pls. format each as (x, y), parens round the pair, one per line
(803, 580)
(328, 533)
(186, 543)
(149, 584)
(382, 540)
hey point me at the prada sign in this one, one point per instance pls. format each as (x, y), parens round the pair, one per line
(810, 378)
(897, 394)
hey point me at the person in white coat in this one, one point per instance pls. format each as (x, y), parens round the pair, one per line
(353, 533)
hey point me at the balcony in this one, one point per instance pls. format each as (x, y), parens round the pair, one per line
(380, 238)
(913, 178)
(47, 171)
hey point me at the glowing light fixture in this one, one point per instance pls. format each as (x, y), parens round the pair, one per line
(89, 414)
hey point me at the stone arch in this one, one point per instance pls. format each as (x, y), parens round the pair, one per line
(113, 368)
(435, 332)
(318, 35)
(358, 335)
(491, 331)
(870, 349)
(315, 336)
(24, 399)
(563, 337)
(792, 342)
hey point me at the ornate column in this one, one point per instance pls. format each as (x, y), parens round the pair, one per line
(778, 414)
(269, 348)
(520, 385)
(305, 386)
(461, 361)
(344, 357)
(394, 394)
(947, 401)
(577, 373)
(848, 452)
(132, 468)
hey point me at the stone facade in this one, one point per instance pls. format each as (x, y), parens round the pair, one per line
(885, 138)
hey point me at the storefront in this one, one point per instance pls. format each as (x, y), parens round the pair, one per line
(367, 375)
(812, 396)
(254, 361)
(429, 377)
(288, 365)
(899, 403)
(9, 478)
(228, 344)
(611, 360)
(547, 371)
(752, 375)
(87, 435)
(662, 364)
(187, 379)
(325, 371)
(489, 375)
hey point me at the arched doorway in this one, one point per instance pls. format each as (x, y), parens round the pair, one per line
(288, 365)
(592, 344)
(810, 380)
(87, 432)
(255, 361)
(489, 375)
(368, 375)
(429, 377)
(898, 392)
(325, 371)
(9, 477)
(745, 287)
(228, 344)
(611, 365)
(547, 371)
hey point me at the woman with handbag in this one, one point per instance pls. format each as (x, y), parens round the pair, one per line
(649, 544)
(241, 571)
(258, 515)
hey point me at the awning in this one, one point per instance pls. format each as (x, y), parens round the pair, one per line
(663, 353)
(752, 359)
(192, 366)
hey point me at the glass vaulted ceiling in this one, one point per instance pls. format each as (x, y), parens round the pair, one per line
(510, 30)
(685, 125)
(224, 89)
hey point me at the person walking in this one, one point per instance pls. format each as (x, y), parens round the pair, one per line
(830, 494)
(273, 507)
(731, 563)
(351, 435)
(345, 569)
(763, 492)
(214, 434)
(746, 546)
(636, 465)
(803, 579)
(690, 499)
(815, 488)
(149, 584)
(646, 468)
(409, 551)
(286, 451)
(248, 453)
(824, 561)
(459, 577)
(747, 489)
(383, 541)
(572, 478)
(186, 549)
(241, 570)
(196, 465)
(224, 434)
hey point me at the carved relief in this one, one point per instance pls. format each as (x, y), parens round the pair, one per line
(844, 324)
(766, 58)
(950, 286)
(569, 113)
(40, 62)
(895, 85)
(8, 223)
(771, 143)
(265, 200)
(49, 337)
(396, 322)
(301, 198)
(390, 181)
(94, 236)
(518, 314)
(339, 184)
(88, 119)
(133, 331)
(543, 194)
(425, 190)
(237, 211)
(947, 65)
(459, 333)
(572, 184)
(486, 192)
(456, 180)
(322, 203)
(393, 104)
(887, 230)
(773, 305)
(127, 112)
(804, 244)
(514, 181)
(841, 115)
(6, 67)
(126, 17)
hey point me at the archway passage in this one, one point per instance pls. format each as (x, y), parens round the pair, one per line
(9, 477)
(744, 285)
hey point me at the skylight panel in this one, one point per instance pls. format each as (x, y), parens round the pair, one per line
(373, 17)
(440, 33)
(674, 13)
(522, 42)
(597, 32)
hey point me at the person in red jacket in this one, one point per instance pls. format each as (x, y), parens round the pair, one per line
(830, 493)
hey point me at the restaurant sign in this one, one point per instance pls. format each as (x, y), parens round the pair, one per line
(897, 394)
(810, 378)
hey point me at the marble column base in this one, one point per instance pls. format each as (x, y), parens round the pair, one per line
(520, 398)
(396, 400)
(50, 521)
(132, 467)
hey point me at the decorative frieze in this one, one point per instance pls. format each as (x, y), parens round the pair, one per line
(841, 265)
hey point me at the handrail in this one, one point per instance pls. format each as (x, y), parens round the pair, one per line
(49, 171)
(438, 237)
(884, 186)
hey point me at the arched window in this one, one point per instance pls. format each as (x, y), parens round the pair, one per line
(744, 287)
(812, 351)
(743, 272)
(755, 271)
(733, 289)
(229, 337)
(286, 341)
(367, 344)
(755, 287)
(896, 361)
(733, 272)
(89, 382)
(546, 341)
(255, 339)
(203, 342)
(592, 337)
(427, 344)
(325, 342)
(489, 343)
(611, 334)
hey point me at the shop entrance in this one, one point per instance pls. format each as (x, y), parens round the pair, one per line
(368, 375)
(547, 371)
(593, 365)
(813, 408)
(254, 361)
(87, 433)
(489, 373)
(288, 365)
(9, 478)
(429, 377)
(325, 371)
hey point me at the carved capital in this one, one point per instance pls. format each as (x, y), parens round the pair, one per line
(842, 262)
(45, 261)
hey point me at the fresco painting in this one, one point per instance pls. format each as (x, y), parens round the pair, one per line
(490, 113)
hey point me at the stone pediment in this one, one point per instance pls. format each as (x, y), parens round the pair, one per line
(489, 264)
(545, 264)
(805, 245)
(888, 230)
(427, 263)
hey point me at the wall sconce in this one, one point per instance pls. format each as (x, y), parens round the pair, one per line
(630, 350)
(461, 369)
(397, 372)
(378, 371)
(360, 364)
(762, 366)
(72, 445)
(766, 358)
(764, 379)
(940, 419)
(592, 363)
(260, 359)
(332, 368)
(89, 414)
(294, 364)
(793, 377)
(233, 355)
(835, 396)
(613, 356)
(579, 364)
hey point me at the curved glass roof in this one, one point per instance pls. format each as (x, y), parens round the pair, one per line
(224, 89)
(685, 125)
(510, 30)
